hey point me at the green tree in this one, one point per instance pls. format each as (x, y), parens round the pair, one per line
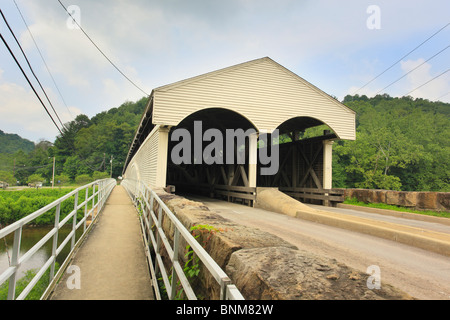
(62, 179)
(83, 179)
(100, 175)
(35, 178)
(7, 177)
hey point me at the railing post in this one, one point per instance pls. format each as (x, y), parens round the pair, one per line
(14, 262)
(158, 237)
(223, 288)
(176, 245)
(74, 220)
(85, 208)
(99, 198)
(55, 240)
(93, 201)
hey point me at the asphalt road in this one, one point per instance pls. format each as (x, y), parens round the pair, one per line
(422, 274)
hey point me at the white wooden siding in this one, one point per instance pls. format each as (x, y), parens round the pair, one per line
(145, 160)
(262, 91)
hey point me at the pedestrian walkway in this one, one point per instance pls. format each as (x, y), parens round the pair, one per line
(111, 262)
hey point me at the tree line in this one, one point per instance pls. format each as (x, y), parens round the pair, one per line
(88, 149)
(402, 144)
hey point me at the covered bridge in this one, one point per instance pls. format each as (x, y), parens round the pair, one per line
(260, 98)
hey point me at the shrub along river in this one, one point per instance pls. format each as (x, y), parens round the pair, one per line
(15, 205)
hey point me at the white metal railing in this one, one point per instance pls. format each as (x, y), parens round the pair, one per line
(151, 223)
(101, 190)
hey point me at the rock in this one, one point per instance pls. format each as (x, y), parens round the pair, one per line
(443, 199)
(427, 200)
(392, 197)
(407, 199)
(264, 266)
(280, 273)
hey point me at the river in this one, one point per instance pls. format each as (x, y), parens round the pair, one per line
(30, 236)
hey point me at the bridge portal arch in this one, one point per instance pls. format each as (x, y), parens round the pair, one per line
(221, 143)
(258, 96)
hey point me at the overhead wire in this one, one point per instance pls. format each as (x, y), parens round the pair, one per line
(29, 82)
(29, 65)
(441, 74)
(429, 38)
(104, 55)
(443, 95)
(413, 69)
(42, 57)
(35, 76)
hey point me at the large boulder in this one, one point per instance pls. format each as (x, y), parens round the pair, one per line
(262, 265)
(280, 273)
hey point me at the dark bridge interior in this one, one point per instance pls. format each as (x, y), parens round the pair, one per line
(300, 159)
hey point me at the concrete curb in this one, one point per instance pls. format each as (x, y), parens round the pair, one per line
(272, 199)
(394, 213)
(429, 240)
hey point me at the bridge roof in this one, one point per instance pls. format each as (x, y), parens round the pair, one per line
(263, 91)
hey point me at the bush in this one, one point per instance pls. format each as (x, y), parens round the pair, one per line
(35, 178)
(99, 175)
(62, 179)
(15, 205)
(83, 179)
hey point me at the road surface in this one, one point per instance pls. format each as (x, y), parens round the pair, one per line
(422, 274)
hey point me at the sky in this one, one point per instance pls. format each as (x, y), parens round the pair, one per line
(338, 46)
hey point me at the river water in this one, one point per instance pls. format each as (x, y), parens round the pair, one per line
(30, 236)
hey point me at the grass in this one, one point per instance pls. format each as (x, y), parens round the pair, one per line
(355, 202)
(37, 291)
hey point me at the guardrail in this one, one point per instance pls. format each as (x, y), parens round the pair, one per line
(101, 190)
(333, 196)
(246, 195)
(144, 199)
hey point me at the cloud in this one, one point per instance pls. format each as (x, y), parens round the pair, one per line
(422, 75)
(21, 111)
(159, 42)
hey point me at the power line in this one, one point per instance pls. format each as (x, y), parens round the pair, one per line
(402, 57)
(443, 95)
(413, 69)
(29, 65)
(104, 55)
(42, 57)
(28, 80)
(428, 81)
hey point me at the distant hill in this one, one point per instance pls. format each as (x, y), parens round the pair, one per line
(11, 143)
(402, 144)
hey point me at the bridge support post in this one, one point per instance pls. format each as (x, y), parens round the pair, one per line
(327, 166)
(163, 147)
(253, 159)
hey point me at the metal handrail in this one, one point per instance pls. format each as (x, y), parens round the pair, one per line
(144, 197)
(98, 198)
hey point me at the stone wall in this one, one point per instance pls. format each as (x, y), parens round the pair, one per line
(436, 201)
(264, 266)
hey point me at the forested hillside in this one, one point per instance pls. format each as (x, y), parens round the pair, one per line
(402, 144)
(82, 153)
(11, 143)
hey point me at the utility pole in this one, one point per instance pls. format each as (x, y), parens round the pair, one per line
(111, 164)
(53, 179)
